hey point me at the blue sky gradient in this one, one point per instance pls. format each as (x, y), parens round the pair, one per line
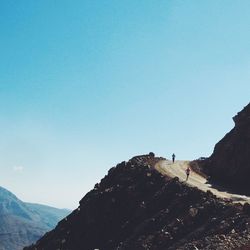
(87, 84)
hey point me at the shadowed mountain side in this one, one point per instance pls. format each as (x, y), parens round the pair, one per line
(229, 164)
(23, 223)
(135, 207)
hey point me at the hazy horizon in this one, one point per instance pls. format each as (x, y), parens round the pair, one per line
(85, 85)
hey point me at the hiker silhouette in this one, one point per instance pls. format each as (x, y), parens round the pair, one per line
(188, 172)
(173, 157)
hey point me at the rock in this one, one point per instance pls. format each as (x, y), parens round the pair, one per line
(151, 155)
(230, 161)
(193, 212)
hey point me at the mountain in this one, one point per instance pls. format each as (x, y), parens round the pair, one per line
(23, 223)
(50, 216)
(135, 207)
(230, 161)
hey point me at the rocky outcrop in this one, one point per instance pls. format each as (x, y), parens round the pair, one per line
(135, 207)
(230, 162)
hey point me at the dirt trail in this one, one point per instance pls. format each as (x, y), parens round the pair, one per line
(178, 168)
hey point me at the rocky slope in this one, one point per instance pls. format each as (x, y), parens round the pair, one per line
(135, 207)
(230, 162)
(23, 223)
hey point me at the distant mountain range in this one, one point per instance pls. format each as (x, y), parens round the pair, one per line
(23, 223)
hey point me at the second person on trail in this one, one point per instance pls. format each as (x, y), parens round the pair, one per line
(188, 170)
(173, 157)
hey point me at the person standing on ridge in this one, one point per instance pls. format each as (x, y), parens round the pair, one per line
(173, 157)
(188, 170)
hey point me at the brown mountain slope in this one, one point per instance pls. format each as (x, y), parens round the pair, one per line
(135, 207)
(230, 162)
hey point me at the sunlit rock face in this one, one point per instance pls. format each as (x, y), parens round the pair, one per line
(230, 161)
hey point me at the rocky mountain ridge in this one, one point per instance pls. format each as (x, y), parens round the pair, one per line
(135, 207)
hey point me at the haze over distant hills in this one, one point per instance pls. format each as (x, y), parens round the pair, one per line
(23, 223)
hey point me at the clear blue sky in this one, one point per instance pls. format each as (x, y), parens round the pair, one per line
(87, 84)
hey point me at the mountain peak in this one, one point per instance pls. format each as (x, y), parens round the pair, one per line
(242, 117)
(229, 163)
(4, 194)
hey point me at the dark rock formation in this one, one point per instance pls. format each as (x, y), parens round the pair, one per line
(135, 207)
(230, 161)
(23, 223)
